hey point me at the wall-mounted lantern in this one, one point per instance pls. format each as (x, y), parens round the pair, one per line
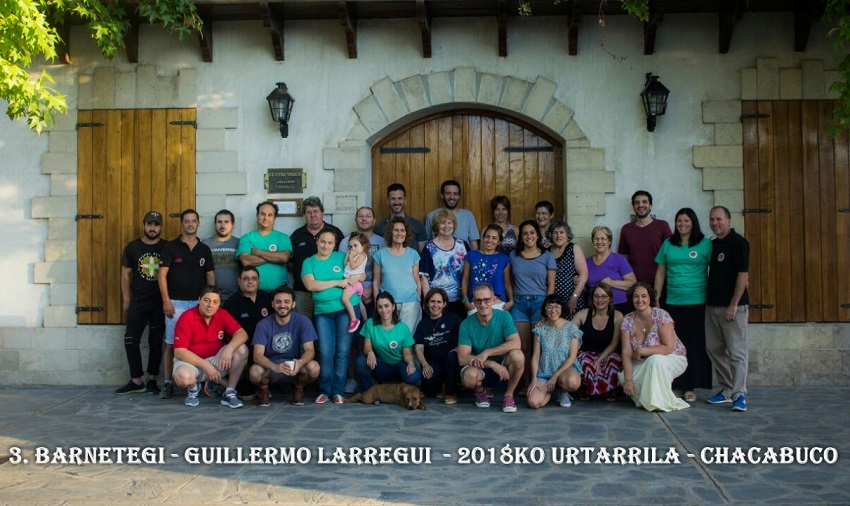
(280, 104)
(654, 96)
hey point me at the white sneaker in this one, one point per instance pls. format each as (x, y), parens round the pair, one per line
(566, 400)
(350, 386)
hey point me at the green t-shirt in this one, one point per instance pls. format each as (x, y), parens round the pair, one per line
(387, 344)
(329, 269)
(687, 271)
(271, 275)
(481, 338)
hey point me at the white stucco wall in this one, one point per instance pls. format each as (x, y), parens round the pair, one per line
(601, 84)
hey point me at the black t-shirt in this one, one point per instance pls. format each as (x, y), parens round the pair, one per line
(729, 256)
(248, 312)
(144, 259)
(187, 269)
(303, 247)
(438, 336)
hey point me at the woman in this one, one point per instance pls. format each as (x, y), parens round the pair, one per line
(442, 261)
(553, 362)
(571, 264)
(533, 272)
(652, 354)
(490, 266)
(683, 264)
(323, 274)
(544, 212)
(387, 347)
(599, 356)
(501, 206)
(610, 268)
(435, 344)
(396, 270)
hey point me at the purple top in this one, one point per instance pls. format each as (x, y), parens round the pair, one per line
(659, 319)
(614, 267)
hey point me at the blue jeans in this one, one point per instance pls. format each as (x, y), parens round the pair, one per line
(384, 372)
(446, 371)
(334, 345)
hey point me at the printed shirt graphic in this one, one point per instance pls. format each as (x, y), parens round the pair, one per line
(144, 260)
(444, 268)
(283, 342)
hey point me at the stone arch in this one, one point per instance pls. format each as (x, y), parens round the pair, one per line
(391, 104)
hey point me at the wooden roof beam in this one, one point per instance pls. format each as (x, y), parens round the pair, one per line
(502, 19)
(806, 13)
(205, 37)
(349, 26)
(573, 23)
(274, 26)
(730, 12)
(424, 20)
(650, 28)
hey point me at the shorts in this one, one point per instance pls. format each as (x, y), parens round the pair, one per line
(527, 308)
(355, 288)
(180, 307)
(575, 367)
(202, 376)
(490, 380)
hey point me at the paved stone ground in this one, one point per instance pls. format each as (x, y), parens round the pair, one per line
(69, 417)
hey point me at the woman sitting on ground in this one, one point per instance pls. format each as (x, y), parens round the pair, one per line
(436, 347)
(599, 355)
(553, 361)
(652, 354)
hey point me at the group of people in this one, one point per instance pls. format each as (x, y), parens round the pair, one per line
(439, 304)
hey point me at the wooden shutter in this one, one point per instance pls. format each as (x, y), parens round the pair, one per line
(128, 162)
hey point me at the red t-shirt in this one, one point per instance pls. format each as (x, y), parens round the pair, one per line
(641, 244)
(193, 333)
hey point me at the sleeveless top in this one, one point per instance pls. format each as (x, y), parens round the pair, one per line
(595, 341)
(564, 276)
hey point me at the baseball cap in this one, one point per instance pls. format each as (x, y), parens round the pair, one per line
(153, 216)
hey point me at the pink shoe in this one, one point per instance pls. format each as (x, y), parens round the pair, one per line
(355, 324)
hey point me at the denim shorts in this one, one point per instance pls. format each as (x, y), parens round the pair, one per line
(527, 308)
(180, 307)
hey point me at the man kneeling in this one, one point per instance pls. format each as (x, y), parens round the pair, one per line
(202, 352)
(278, 341)
(489, 340)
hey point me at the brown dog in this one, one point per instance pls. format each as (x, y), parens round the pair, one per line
(405, 395)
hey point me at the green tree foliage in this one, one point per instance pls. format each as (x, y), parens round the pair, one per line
(28, 32)
(837, 12)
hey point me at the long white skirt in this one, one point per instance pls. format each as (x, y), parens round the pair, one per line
(653, 378)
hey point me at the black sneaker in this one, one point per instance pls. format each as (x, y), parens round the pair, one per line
(167, 390)
(132, 388)
(152, 388)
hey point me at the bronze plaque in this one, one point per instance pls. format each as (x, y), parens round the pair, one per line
(285, 180)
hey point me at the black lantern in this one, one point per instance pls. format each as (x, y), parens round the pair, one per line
(654, 96)
(280, 104)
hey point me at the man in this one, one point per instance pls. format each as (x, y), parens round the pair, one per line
(304, 246)
(641, 239)
(250, 305)
(489, 350)
(283, 349)
(266, 249)
(200, 350)
(187, 265)
(396, 201)
(143, 304)
(364, 220)
(726, 310)
(223, 246)
(467, 227)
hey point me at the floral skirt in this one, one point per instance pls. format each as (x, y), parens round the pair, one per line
(603, 381)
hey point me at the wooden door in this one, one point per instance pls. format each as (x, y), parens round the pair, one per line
(797, 211)
(488, 154)
(129, 162)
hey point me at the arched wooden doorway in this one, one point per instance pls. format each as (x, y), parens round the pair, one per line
(488, 153)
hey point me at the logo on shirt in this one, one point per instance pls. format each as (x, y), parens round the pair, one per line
(273, 247)
(264, 312)
(282, 342)
(337, 268)
(692, 254)
(202, 262)
(721, 257)
(221, 335)
(149, 266)
(393, 345)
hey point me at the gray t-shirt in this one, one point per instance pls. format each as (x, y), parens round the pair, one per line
(531, 274)
(467, 227)
(226, 265)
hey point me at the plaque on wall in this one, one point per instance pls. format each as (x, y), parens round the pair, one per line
(285, 180)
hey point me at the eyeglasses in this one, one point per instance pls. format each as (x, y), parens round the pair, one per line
(250, 278)
(482, 302)
(597, 296)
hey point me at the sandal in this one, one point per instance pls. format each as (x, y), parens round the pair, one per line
(690, 396)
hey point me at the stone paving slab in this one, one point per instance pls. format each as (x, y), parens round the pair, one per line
(85, 417)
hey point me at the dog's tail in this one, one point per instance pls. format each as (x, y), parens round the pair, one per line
(358, 397)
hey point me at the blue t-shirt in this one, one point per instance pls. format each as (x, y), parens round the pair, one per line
(397, 275)
(283, 342)
(531, 275)
(487, 269)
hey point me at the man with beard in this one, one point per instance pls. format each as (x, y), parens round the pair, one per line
(266, 249)
(397, 201)
(143, 304)
(641, 239)
(223, 246)
(187, 266)
(283, 349)
(467, 226)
